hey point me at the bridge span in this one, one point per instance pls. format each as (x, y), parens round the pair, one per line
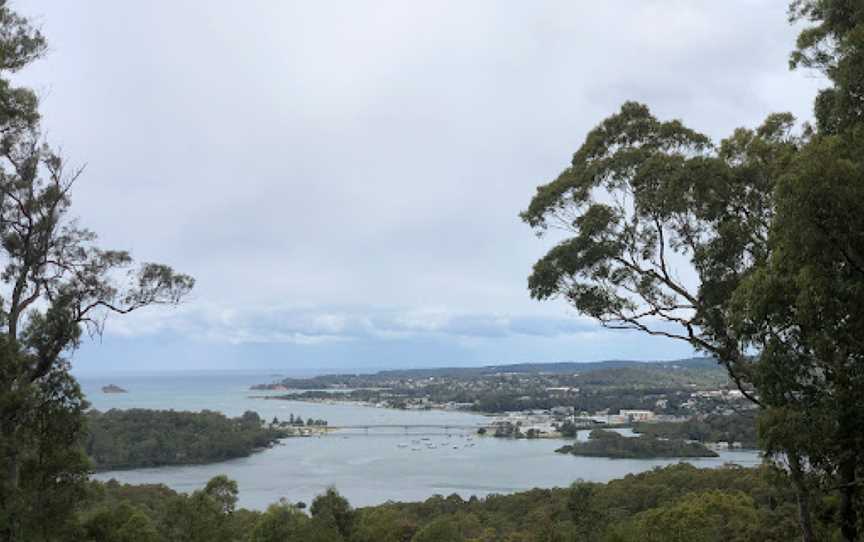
(409, 427)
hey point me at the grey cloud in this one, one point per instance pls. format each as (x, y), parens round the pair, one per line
(317, 325)
(372, 154)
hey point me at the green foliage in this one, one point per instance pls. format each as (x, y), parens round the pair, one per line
(769, 222)
(333, 509)
(285, 522)
(205, 515)
(383, 524)
(51, 467)
(54, 282)
(121, 523)
(802, 310)
(602, 443)
(120, 439)
(698, 517)
(833, 43)
(443, 529)
(642, 194)
(223, 491)
(671, 501)
(708, 429)
(281, 522)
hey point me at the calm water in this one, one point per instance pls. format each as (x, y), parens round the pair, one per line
(366, 469)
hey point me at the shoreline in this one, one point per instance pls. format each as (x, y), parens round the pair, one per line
(316, 431)
(330, 401)
(713, 446)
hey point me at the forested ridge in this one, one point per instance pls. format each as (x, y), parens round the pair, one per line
(691, 370)
(679, 503)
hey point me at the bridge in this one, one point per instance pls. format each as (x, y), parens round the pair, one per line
(409, 427)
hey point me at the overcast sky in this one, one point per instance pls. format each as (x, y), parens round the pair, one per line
(343, 179)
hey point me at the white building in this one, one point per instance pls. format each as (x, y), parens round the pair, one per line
(637, 415)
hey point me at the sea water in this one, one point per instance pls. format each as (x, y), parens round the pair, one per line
(386, 464)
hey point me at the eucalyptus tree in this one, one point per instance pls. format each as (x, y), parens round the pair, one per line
(660, 225)
(56, 284)
(832, 42)
(751, 250)
(802, 313)
(802, 310)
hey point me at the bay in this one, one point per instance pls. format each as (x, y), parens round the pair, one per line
(387, 464)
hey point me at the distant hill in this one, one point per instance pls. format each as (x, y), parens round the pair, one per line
(568, 367)
(684, 372)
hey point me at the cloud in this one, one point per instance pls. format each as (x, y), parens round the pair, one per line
(310, 326)
(340, 175)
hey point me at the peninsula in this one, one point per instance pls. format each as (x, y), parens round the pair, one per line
(136, 438)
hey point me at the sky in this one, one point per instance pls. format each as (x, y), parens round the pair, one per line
(343, 179)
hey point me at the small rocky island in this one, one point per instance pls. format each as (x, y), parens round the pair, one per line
(113, 388)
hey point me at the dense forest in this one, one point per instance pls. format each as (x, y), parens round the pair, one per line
(125, 439)
(713, 428)
(679, 503)
(603, 443)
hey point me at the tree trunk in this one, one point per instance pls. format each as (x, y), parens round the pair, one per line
(848, 490)
(10, 531)
(803, 497)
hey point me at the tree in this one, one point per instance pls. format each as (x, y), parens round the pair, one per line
(698, 517)
(834, 44)
(121, 523)
(281, 522)
(750, 250)
(205, 515)
(53, 467)
(55, 283)
(647, 201)
(802, 313)
(802, 310)
(443, 529)
(334, 508)
(588, 518)
(224, 491)
(383, 524)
